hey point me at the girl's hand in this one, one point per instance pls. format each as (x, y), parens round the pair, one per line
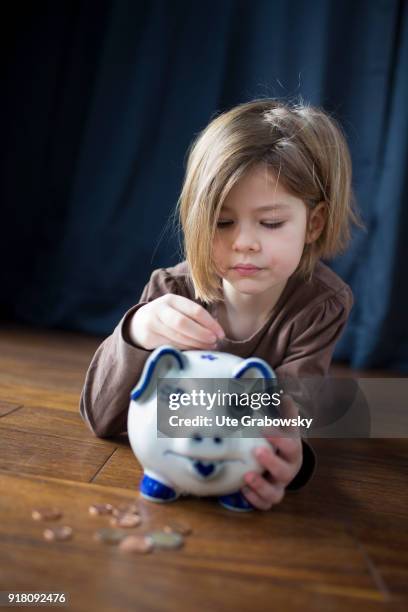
(281, 462)
(176, 320)
(265, 490)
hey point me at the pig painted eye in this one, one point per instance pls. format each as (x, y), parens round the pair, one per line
(197, 438)
(217, 440)
(165, 390)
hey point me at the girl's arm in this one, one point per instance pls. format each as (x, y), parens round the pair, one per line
(308, 359)
(117, 366)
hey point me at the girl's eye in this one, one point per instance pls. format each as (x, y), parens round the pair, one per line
(272, 225)
(269, 225)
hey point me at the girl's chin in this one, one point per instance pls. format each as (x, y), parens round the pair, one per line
(254, 286)
(248, 286)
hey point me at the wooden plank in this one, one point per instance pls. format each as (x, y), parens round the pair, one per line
(385, 542)
(24, 453)
(30, 341)
(16, 389)
(44, 368)
(8, 407)
(364, 484)
(230, 560)
(62, 423)
(122, 470)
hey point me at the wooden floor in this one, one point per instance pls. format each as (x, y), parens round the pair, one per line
(339, 544)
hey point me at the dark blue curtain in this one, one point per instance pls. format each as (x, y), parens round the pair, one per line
(101, 100)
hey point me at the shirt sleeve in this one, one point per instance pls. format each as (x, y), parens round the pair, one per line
(309, 354)
(117, 365)
(314, 338)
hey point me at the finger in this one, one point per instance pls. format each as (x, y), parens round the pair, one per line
(197, 313)
(280, 469)
(186, 329)
(172, 336)
(257, 501)
(289, 449)
(270, 493)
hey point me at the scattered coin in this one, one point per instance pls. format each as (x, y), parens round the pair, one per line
(58, 533)
(126, 520)
(136, 543)
(161, 539)
(131, 508)
(181, 528)
(125, 515)
(110, 536)
(46, 514)
(100, 509)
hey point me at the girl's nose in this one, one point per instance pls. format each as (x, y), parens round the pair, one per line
(245, 241)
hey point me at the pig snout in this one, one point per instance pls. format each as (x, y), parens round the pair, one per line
(204, 456)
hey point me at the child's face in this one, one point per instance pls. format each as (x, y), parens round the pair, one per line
(243, 235)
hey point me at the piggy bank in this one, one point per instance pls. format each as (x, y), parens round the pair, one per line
(198, 464)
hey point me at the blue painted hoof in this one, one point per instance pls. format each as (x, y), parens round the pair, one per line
(156, 491)
(236, 501)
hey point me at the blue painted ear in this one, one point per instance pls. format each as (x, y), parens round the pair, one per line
(253, 368)
(160, 361)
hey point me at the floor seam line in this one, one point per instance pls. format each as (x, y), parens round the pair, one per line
(103, 464)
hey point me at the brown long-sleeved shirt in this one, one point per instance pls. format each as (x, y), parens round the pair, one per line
(297, 339)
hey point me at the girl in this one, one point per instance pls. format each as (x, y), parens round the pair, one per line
(267, 194)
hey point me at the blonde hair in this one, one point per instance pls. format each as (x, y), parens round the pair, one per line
(301, 144)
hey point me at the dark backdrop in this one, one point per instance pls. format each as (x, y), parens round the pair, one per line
(100, 101)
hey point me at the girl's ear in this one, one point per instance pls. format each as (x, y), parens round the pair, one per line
(316, 221)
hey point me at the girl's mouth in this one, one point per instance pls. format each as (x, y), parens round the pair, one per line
(246, 271)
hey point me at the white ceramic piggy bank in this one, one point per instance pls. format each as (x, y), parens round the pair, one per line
(197, 465)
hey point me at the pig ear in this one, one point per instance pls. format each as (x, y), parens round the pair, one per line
(253, 368)
(162, 360)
